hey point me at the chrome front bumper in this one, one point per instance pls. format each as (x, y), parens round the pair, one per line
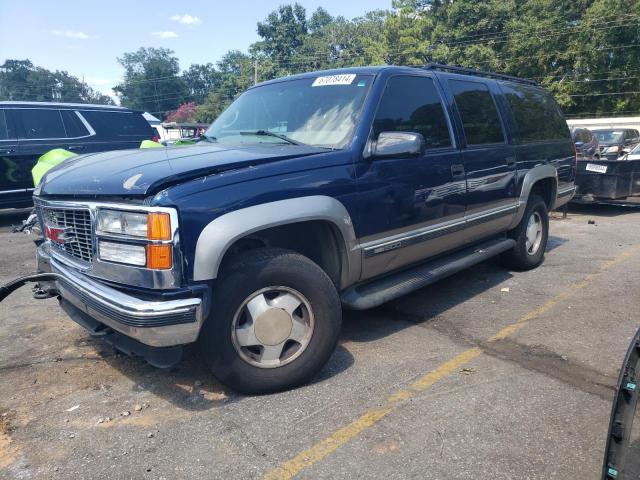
(154, 323)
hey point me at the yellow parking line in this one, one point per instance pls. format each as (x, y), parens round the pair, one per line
(329, 445)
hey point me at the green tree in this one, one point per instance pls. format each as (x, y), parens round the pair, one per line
(151, 81)
(21, 80)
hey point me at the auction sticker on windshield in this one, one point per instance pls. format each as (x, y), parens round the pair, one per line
(592, 167)
(334, 80)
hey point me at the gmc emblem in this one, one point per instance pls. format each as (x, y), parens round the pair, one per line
(61, 235)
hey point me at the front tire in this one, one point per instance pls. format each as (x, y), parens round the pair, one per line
(275, 322)
(530, 235)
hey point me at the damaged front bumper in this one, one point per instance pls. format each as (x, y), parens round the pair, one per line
(104, 310)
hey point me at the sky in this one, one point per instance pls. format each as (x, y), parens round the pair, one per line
(86, 37)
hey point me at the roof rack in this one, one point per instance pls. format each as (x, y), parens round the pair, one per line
(479, 73)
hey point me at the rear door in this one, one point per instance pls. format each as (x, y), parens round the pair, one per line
(80, 134)
(488, 159)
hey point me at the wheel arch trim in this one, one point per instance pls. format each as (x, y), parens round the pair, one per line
(534, 175)
(216, 238)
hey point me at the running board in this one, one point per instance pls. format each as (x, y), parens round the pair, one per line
(377, 292)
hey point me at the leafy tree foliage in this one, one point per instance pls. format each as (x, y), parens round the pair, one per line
(21, 80)
(151, 81)
(587, 52)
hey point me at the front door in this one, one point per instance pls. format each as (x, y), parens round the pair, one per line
(13, 190)
(39, 130)
(489, 160)
(409, 206)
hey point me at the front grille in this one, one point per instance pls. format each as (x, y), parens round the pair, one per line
(79, 242)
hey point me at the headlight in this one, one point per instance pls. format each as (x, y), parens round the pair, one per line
(612, 149)
(122, 223)
(152, 226)
(122, 253)
(149, 234)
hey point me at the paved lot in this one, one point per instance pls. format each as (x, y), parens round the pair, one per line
(459, 380)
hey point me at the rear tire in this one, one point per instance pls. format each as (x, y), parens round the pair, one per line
(530, 235)
(275, 322)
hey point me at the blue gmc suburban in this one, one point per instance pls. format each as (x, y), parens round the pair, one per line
(312, 192)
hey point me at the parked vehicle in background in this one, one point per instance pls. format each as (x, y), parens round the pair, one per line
(30, 129)
(350, 187)
(586, 143)
(609, 181)
(182, 131)
(615, 143)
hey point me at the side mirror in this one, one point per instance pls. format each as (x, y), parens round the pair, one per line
(394, 144)
(622, 454)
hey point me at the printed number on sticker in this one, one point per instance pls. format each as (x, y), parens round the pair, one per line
(334, 80)
(592, 167)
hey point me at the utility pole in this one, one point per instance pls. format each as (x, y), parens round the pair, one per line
(255, 71)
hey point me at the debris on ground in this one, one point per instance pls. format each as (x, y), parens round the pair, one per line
(71, 409)
(591, 222)
(126, 413)
(505, 290)
(467, 371)
(137, 407)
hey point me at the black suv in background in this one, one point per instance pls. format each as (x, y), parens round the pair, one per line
(30, 129)
(616, 142)
(587, 146)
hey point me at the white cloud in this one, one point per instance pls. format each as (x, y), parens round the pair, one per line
(186, 19)
(165, 34)
(72, 34)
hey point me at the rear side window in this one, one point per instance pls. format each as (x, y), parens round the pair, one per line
(5, 132)
(40, 123)
(120, 124)
(412, 104)
(536, 114)
(73, 125)
(478, 112)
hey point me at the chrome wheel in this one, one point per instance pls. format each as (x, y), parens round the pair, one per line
(272, 327)
(534, 233)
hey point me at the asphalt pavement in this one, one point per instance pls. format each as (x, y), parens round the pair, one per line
(488, 374)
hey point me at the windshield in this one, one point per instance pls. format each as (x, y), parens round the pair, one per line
(608, 136)
(319, 111)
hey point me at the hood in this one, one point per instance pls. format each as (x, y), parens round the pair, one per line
(147, 171)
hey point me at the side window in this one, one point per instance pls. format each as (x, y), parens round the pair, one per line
(536, 114)
(412, 104)
(5, 131)
(478, 112)
(121, 124)
(73, 125)
(40, 124)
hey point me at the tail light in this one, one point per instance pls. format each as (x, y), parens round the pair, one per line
(155, 139)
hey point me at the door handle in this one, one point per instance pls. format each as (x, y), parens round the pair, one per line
(457, 170)
(75, 147)
(511, 161)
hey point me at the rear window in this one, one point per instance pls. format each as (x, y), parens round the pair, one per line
(40, 123)
(120, 124)
(478, 112)
(536, 114)
(73, 125)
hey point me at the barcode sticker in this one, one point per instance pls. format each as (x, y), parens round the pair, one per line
(592, 167)
(346, 79)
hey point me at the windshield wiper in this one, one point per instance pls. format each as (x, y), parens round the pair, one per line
(267, 133)
(204, 136)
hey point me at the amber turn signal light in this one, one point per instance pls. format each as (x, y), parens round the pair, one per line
(159, 257)
(158, 226)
